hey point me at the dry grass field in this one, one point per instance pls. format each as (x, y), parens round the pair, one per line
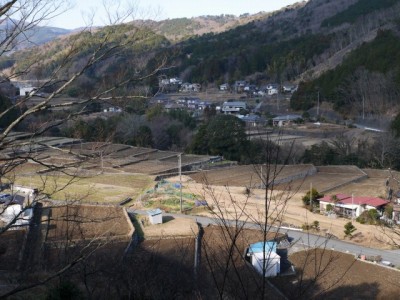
(108, 188)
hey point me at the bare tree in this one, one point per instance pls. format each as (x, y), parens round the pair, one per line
(83, 52)
(240, 220)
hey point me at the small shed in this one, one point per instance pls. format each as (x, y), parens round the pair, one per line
(155, 216)
(272, 263)
(265, 252)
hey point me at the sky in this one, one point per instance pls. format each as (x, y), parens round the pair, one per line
(78, 15)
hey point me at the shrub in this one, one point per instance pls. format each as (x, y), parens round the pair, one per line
(314, 193)
(389, 211)
(316, 225)
(368, 217)
(349, 229)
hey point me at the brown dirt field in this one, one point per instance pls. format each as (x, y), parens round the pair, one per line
(339, 276)
(320, 182)
(10, 246)
(85, 222)
(247, 175)
(150, 167)
(374, 187)
(163, 269)
(170, 228)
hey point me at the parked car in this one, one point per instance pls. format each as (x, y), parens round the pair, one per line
(5, 198)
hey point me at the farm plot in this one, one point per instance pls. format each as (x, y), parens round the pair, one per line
(151, 167)
(162, 269)
(250, 175)
(83, 222)
(340, 277)
(103, 188)
(323, 182)
(131, 151)
(11, 243)
(189, 159)
(373, 187)
(159, 155)
(170, 228)
(328, 178)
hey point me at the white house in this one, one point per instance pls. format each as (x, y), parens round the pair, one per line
(233, 107)
(351, 206)
(289, 88)
(272, 91)
(285, 120)
(155, 216)
(25, 91)
(224, 87)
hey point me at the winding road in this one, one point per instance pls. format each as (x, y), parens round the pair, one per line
(300, 240)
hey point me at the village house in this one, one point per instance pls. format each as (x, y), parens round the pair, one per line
(190, 87)
(289, 88)
(233, 107)
(240, 85)
(272, 89)
(285, 120)
(253, 120)
(351, 206)
(224, 87)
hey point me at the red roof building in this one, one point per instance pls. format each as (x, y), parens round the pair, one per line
(352, 206)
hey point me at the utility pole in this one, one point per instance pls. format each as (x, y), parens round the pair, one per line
(352, 207)
(180, 177)
(311, 201)
(318, 106)
(363, 107)
(277, 101)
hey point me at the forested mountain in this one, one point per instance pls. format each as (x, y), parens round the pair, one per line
(183, 28)
(33, 35)
(347, 50)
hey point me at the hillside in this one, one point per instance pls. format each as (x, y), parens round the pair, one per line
(311, 42)
(125, 49)
(183, 28)
(33, 36)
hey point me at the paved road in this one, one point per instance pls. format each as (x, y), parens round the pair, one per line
(302, 240)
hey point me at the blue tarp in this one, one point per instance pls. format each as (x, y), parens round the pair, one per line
(268, 247)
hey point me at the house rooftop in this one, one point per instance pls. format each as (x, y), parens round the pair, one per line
(234, 103)
(287, 118)
(363, 200)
